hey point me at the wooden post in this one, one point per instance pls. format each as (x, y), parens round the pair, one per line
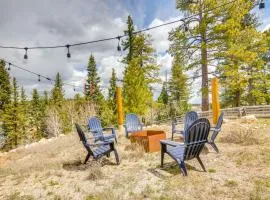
(215, 100)
(119, 109)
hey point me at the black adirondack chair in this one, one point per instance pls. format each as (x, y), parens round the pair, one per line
(195, 138)
(189, 119)
(215, 131)
(97, 150)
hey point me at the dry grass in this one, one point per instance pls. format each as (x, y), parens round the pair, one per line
(54, 170)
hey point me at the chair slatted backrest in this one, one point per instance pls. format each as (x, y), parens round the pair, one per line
(218, 126)
(190, 118)
(95, 127)
(83, 138)
(196, 137)
(132, 122)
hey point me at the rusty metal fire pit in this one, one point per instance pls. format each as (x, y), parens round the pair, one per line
(149, 139)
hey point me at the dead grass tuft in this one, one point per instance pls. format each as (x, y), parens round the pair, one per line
(261, 189)
(95, 174)
(240, 135)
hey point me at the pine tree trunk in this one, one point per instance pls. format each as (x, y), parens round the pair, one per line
(204, 63)
(237, 98)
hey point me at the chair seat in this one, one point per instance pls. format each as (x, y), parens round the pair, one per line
(101, 150)
(176, 152)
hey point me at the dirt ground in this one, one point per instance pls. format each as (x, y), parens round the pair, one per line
(52, 169)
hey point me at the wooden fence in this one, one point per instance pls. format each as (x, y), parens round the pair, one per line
(229, 113)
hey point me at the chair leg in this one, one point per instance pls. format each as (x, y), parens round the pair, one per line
(162, 158)
(214, 146)
(172, 135)
(183, 168)
(200, 161)
(116, 157)
(87, 158)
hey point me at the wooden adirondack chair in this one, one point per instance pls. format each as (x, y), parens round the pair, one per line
(94, 126)
(132, 124)
(215, 131)
(189, 119)
(97, 150)
(195, 138)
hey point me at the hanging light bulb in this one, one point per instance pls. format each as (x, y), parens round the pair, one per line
(118, 46)
(74, 89)
(25, 54)
(185, 26)
(261, 4)
(68, 53)
(38, 78)
(9, 64)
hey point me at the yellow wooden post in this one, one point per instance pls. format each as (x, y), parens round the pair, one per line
(119, 108)
(215, 100)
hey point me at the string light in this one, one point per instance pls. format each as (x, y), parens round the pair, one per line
(9, 64)
(38, 78)
(261, 4)
(68, 53)
(118, 46)
(185, 26)
(25, 55)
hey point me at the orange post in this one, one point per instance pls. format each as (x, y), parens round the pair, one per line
(215, 100)
(119, 108)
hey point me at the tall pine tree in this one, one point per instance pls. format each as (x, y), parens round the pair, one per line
(12, 118)
(57, 91)
(112, 94)
(140, 71)
(5, 87)
(92, 91)
(178, 86)
(164, 97)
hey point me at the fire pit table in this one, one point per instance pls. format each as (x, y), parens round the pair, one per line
(149, 139)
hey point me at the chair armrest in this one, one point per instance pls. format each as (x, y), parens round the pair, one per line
(171, 143)
(102, 143)
(215, 129)
(109, 128)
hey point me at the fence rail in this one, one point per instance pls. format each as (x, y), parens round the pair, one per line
(229, 113)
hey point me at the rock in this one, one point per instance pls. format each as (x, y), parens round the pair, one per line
(248, 119)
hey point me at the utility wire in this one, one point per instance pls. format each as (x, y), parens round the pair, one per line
(116, 37)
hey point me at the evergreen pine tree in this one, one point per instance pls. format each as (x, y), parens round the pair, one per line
(93, 93)
(5, 87)
(242, 69)
(112, 92)
(37, 114)
(57, 92)
(24, 108)
(178, 86)
(46, 98)
(163, 97)
(12, 118)
(141, 67)
(128, 44)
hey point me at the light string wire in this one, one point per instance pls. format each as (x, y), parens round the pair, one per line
(10, 64)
